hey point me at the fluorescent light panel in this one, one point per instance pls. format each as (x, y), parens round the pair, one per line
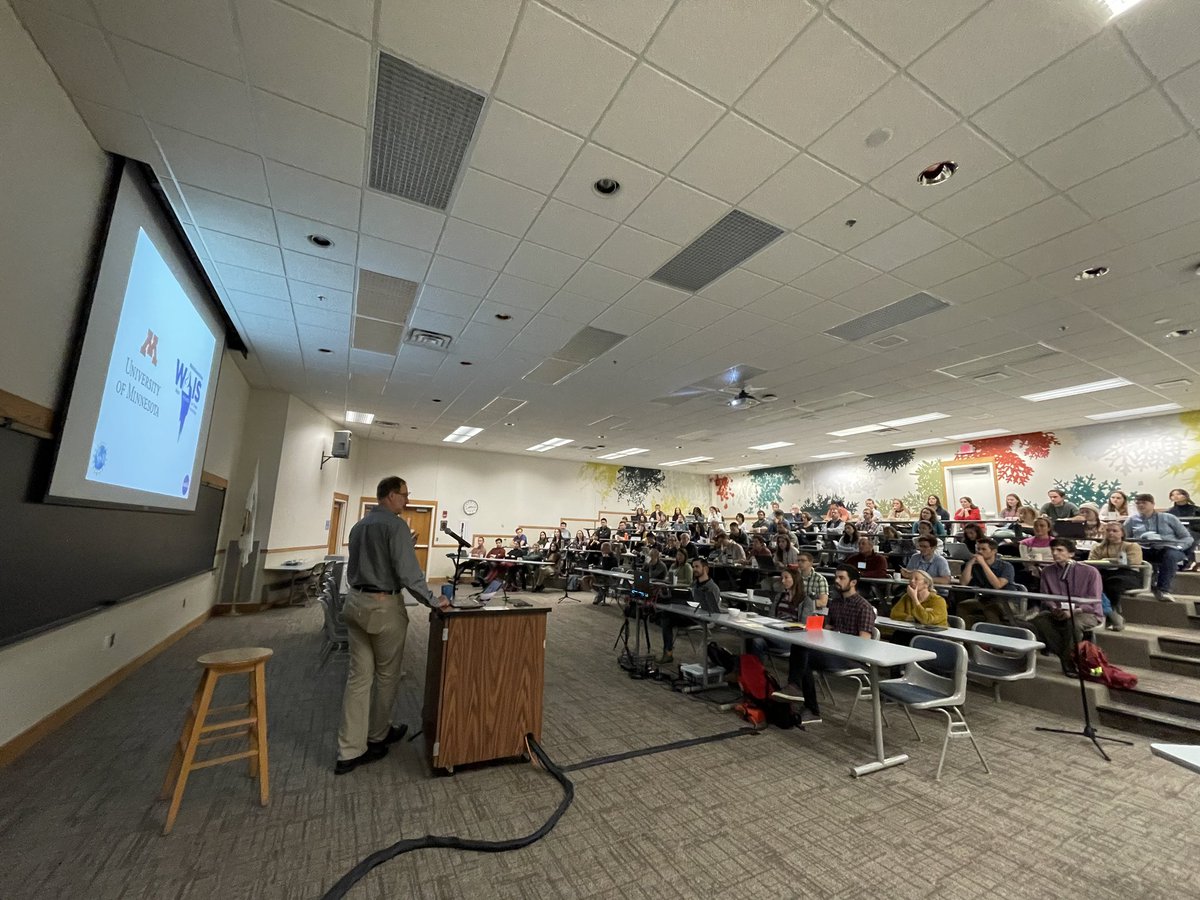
(684, 462)
(461, 435)
(915, 420)
(632, 451)
(1130, 413)
(992, 432)
(832, 455)
(921, 443)
(861, 429)
(1116, 7)
(550, 444)
(774, 445)
(360, 417)
(1090, 387)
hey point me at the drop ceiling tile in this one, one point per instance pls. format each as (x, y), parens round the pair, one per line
(460, 276)
(789, 257)
(517, 319)
(543, 265)
(475, 244)
(629, 24)
(595, 162)
(793, 99)
(573, 307)
(634, 252)
(600, 282)
(835, 277)
(943, 264)
(676, 212)
(1184, 89)
(652, 298)
(519, 292)
(759, 155)
(1030, 226)
(874, 294)
(904, 30)
(1121, 134)
(1153, 217)
(542, 332)
(570, 229)
(119, 132)
(324, 319)
(719, 48)
(200, 32)
(322, 272)
(995, 197)
(979, 283)
(80, 57)
(400, 222)
(907, 110)
(739, 287)
(397, 260)
(238, 251)
(313, 196)
(622, 320)
(560, 72)
(520, 148)
(254, 304)
(800, 190)
(230, 215)
(305, 294)
(488, 201)
(450, 303)
(431, 321)
(784, 304)
(1077, 245)
(463, 39)
(697, 313)
(357, 16)
(308, 139)
(1091, 79)
(872, 213)
(655, 119)
(902, 243)
(1163, 35)
(975, 155)
(252, 282)
(207, 164)
(1002, 45)
(305, 59)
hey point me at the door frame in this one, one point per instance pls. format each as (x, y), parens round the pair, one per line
(986, 461)
(335, 533)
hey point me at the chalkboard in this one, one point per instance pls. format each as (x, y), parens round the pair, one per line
(59, 563)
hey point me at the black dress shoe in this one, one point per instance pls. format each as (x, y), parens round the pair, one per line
(395, 733)
(374, 752)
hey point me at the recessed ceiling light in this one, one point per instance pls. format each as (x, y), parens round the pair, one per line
(832, 455)
(1131, 413)
(1094, 272)
(463, 362)
(436, 400)
(550, 444)
(921, 443)
(1116, 7)
(510, 424)
(858, 429)
(362, 418)
(937, 173)
(461, 434)
(914, 420)
(774, 445)
(684, 462)
(1074, 390)
(971, 435)
(324, 350)
(1180, 332)
(632, 451)
(606, 187)
(319, 240)
(1168, 385)
(503, 317)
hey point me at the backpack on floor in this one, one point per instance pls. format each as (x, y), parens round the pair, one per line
(1094, 665)
(719, 656)
(758, 706)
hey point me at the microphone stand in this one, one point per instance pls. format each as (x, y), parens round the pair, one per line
(1088, 731)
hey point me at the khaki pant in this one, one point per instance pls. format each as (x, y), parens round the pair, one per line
(377, 625)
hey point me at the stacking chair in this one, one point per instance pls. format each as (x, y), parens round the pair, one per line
(988, 664)
(923, 688)
(955, 622)
(313, 583)
(336, 636)
(859, 675)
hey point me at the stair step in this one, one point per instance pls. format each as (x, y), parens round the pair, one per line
(1179, 646)
(1149, 723)
(1176, 664)
(1159, 701)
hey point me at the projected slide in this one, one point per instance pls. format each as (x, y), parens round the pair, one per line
(154, 394)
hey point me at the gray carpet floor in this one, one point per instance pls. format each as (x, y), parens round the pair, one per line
(772, 815)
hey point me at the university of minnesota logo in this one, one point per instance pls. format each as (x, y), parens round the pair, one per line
(150, 347)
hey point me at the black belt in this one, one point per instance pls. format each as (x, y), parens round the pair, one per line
(371, 589)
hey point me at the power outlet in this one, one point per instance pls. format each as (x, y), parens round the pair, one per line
(110, 641)
(185, 602)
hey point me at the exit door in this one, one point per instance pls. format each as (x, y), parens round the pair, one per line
(420, 520)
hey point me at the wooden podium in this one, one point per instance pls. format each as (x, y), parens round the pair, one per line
(483, 684)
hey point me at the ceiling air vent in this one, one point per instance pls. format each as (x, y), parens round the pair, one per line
(435, 340)
(385, 297)
(899, 313)
(728, 243)
(383, 423)
(892, 340)
(423, 126)
(989, 377)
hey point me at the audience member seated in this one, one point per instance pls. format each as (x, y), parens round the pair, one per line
(783, 552)
(517, 573)
(1037, 546)
(686, 545)
(704, 592)
(761, 524)
(847, 541)
(579, 542)
(1059, 507)
(794, 515)
(928, 561)
(519, 539)
(479, 548)
(603, 532)
(497, 570)
(1124, 575)
(655, 567)
(1117, 508)
(778, 524)
(812, 584)
(869, 524)
(805, 527)
(1093, 527)
(678, 520)
(1166, 542)
(609, 560)
(866, 561)
(988, 570)
(1054, 625)
(972, 533)
(899, 512)
(760, 554)
(1012, 508)
(833, 523)
(919, 603)
(726, 552)
(638, 517)
(542, 545)
(737, 535)
(849, 613)
(1182, 507)
(928, 514)
(924, 528)
(934, 502)
(623, 529)
(967, 511)
(681, 571)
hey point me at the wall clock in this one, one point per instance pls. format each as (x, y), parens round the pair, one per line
(470, 507)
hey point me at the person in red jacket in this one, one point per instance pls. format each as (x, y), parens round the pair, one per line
(866, 561)
(967, 510)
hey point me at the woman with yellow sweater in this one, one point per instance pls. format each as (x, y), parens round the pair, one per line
(920, 603)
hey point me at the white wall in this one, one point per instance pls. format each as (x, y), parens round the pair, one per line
(52, 183)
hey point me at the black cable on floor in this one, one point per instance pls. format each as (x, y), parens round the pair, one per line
(539, 758)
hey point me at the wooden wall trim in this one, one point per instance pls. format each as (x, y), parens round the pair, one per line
(26, 415)
(55, 720)
(294, 549)
(214, 480)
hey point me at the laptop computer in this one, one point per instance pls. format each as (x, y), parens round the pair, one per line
(1075, 531)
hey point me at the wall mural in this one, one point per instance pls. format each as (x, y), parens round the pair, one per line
(1085, 489)
(633, 486)
(892, 461)
(756, 488)
(1010, 466)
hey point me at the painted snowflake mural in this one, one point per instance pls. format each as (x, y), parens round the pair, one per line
(1085, 488)
(1125, 454)
(1011, 466)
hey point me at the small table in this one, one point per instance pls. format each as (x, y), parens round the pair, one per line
(1186, 755)
(295, 568)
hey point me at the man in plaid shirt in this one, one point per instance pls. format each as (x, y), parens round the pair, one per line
(848, 613)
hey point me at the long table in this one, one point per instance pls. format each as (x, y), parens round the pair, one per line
(962, 635)
(870, 653)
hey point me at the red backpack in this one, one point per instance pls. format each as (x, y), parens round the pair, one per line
(1095, 666)
(757, 706)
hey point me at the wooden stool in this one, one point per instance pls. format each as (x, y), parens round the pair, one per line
(197, 730)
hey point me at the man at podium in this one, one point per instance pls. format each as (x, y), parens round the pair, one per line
(382, 564)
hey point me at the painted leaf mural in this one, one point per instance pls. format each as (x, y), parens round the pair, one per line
(634, 485)
(723, 488)
(1085, 488)
(1011, 466)
(892, 461)
(1190, 467)
(767, 485)
(818, 506)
